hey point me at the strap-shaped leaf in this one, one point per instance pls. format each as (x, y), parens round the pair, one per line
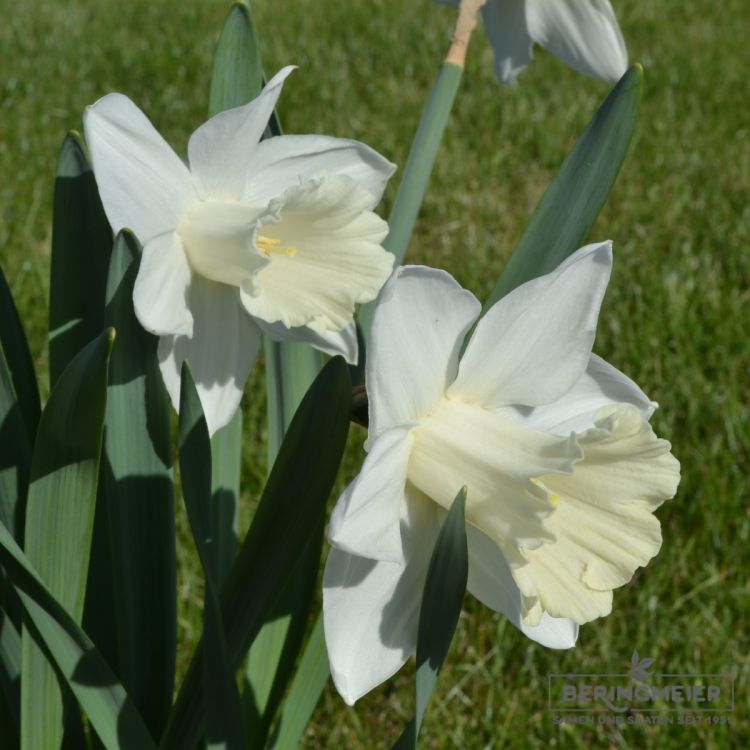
(293, 502)
(18, 360)
(568, 209)
(81, 244)
(224, 724)
(111, 713)
(59, 520)
(139, 492)
(304, 692)
(237, 73)
(441, 606)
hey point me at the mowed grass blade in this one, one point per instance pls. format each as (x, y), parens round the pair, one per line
(293, 503)
(111, 713)
(59, 520)
(139, 492)
(569, 207)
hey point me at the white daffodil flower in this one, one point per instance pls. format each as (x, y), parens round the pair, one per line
(276, 236)
(562, 467)
(582, 33)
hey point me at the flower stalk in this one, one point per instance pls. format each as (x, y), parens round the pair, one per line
(424, 148)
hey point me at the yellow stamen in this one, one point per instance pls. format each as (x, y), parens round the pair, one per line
(270, 245)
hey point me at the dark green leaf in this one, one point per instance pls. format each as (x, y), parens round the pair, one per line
(81, 244)
(112, 714)
(59, 519)
(441, 606)
(224, 724)
(292, 504)
(15, 348)
(139, 491)
(572, 202)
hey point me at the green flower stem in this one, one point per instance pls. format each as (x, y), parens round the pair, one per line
(418, 169)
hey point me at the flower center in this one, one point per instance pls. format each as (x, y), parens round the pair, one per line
(271, 245)
(218, 241)
(498, 460)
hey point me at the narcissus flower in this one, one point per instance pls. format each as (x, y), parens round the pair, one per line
(582, 33)
(562, 467)
(276, 236)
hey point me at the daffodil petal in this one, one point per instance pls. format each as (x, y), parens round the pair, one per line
(220, 150)
(329, 257)
(343, 342)
(534, 344)
(582, 33)
(601, 385)
(221, 351)
(505, 24)
(365, 520)
(419, 325)
(490, 581)
(284, 161)
(160, 295)
(604, 521)
(498, 460)
(371, 609)
(143, 184)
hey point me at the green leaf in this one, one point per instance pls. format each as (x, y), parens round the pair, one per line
(10, 680)
(59, 520)
(224, 724)
(293, 502)
(139, 492)
(226, 464)
(441, 606)
(81, 245)
(237, 74)
(572, 202)
(416, 175)
(111, 713)
(308, 683)
(18, 361)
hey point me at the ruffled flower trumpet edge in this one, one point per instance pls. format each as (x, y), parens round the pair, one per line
(562, 467)
(276, 236)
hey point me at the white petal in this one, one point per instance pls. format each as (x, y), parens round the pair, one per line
(143, 184)
(491, 581)
(601, 385)
(221, 351)
(505, 23)
(221, 149)
(160, 295)
(582, 33)
(343, 342)
(365, 521)
(498, 460)
(534, 344)
(284, 161)
(371, 609)
(418, 327)
(325, 256)
(604, 521)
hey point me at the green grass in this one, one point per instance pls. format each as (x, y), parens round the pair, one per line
(675, 316)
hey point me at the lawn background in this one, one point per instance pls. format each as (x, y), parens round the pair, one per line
(675, 317)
